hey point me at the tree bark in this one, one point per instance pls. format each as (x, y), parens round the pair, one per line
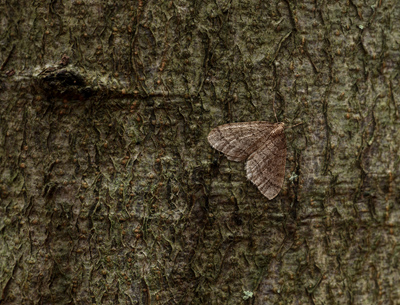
(111, 194)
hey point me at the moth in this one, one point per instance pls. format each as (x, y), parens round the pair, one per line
(262, 145)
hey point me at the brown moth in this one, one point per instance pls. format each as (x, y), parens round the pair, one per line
(262, 145)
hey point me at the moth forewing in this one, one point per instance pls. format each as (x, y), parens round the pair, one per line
(263, 144)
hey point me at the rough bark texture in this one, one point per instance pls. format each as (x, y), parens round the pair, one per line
(111, 194)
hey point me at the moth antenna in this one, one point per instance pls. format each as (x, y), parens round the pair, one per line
(294, 125)
(273, 108)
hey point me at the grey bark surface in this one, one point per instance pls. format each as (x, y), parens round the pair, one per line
(111, 194)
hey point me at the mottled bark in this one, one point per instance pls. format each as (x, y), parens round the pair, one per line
(110, 193)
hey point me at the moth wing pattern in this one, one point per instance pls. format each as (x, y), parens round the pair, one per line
(266, 166)
(263, 144)
(239, 140)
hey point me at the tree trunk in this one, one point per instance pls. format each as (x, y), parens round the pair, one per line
(111, 194)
